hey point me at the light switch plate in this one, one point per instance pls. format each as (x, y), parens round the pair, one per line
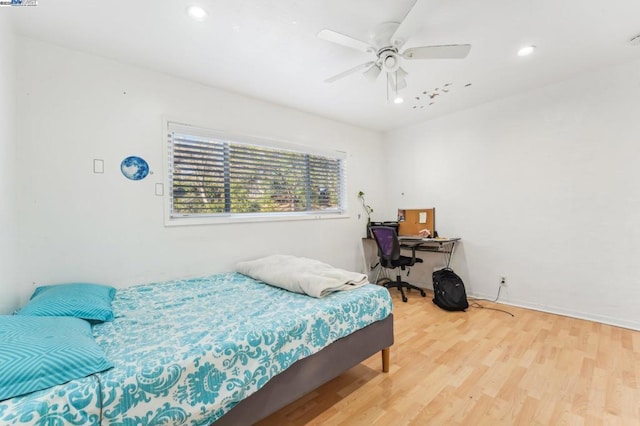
(98, 166)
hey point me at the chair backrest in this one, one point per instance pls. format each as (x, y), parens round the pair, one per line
(387, 241)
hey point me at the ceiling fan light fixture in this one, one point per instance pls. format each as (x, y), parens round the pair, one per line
(397, 79)
(526, 50)
(401, 74)
(389, 61)
(197, 13)
(373, 72)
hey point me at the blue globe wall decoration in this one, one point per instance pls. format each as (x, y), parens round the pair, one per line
(134, 168)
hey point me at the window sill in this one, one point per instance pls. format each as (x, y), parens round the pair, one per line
(229, 219)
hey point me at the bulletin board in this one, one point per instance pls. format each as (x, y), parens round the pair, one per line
(412, 221)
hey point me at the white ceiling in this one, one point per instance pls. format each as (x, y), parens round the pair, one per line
(268, 49)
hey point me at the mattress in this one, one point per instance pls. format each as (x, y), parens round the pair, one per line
(186, 352)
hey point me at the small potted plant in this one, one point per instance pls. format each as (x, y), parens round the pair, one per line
(367, 209)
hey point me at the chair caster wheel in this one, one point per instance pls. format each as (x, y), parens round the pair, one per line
(422, 293)
(404, 299)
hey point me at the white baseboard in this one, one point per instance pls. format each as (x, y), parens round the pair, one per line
(617, 322)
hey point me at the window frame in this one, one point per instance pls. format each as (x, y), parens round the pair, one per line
(172, 219)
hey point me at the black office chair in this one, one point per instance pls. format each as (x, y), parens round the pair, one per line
(390, 258)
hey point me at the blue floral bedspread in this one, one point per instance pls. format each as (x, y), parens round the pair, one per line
(186, 352)
(73, 403)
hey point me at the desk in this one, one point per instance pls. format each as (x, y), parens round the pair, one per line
(446, 246)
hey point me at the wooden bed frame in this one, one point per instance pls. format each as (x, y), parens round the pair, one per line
(311, 372)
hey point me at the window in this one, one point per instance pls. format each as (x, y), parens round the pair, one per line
(214, 175)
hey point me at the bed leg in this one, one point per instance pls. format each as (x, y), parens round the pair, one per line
(385, 360)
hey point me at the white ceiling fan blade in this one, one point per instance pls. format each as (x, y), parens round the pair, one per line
(345, 40)
(452, 51)
(408, 26)
(349, 71)
(373, 72)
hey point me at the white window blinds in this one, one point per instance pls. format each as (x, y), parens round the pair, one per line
(213, 175)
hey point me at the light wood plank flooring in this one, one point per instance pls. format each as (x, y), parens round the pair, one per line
(484, 367)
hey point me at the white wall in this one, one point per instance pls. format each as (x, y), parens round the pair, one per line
(78, 225)
(9, 286)
(543, 189)
(541, 186)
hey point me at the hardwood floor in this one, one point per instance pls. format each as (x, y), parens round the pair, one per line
(484, 367)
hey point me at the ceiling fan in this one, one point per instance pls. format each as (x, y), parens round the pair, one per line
(386, 41)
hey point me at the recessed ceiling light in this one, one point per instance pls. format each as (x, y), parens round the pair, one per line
(527, 50)
(197, 13)
(398, 100)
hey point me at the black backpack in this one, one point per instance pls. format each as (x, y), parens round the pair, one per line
(448, 290)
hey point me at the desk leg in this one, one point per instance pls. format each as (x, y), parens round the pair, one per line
(453, 247)
(378, 269)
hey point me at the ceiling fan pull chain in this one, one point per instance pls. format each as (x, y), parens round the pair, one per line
(387, 86)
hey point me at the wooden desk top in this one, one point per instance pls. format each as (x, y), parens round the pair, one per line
(408, 240)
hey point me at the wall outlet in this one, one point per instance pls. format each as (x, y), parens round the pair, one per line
(503, 281)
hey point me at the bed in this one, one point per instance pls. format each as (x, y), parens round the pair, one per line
(223, 349)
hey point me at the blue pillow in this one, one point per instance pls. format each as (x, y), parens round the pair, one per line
(87, 301)
(39, 352)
